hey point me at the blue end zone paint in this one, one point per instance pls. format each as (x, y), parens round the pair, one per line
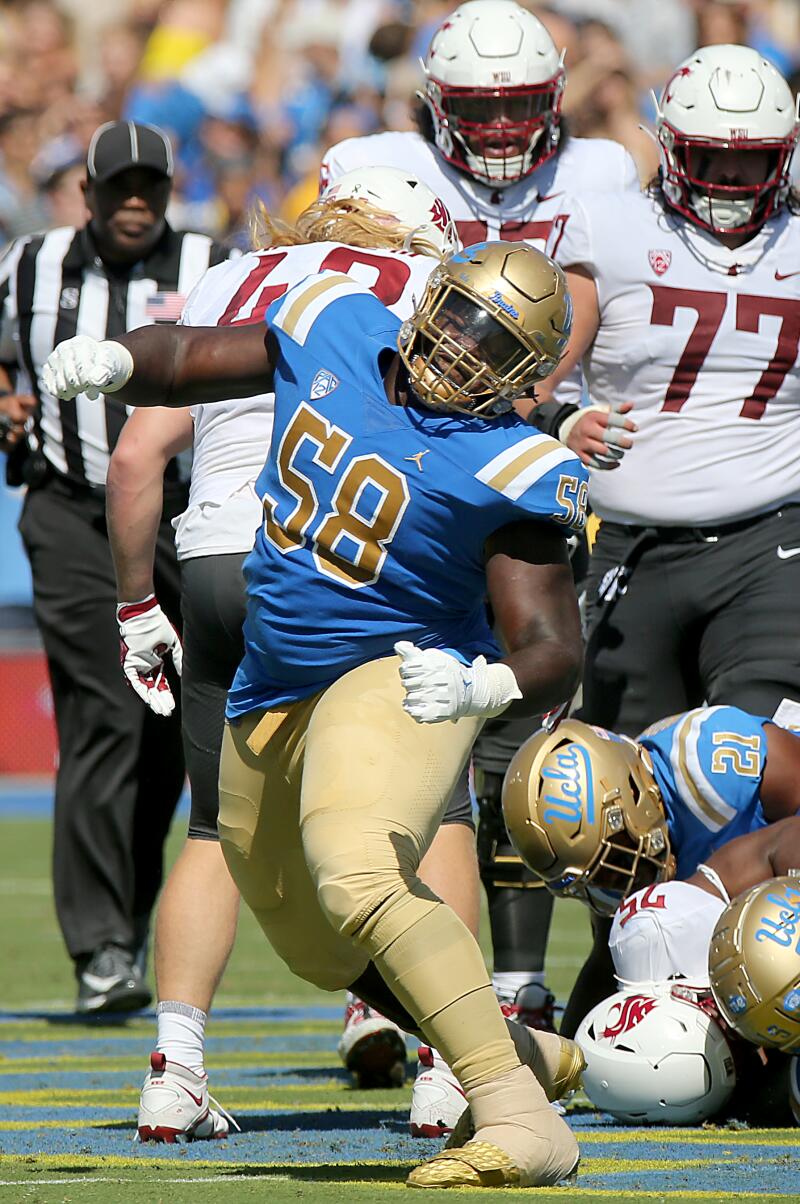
(24, 798)
(296, 1108)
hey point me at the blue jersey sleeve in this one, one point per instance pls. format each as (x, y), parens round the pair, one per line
(539, 478)
(331, 328)
(717, 757)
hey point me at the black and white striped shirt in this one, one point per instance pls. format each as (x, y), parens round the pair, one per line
(54, 286)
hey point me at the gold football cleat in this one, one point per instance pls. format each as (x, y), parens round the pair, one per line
(571, 1066)
(568, 1079)
(478, 1164)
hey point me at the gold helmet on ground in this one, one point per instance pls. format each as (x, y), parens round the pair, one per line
(583, 808)
(754, 964)
(494, 319)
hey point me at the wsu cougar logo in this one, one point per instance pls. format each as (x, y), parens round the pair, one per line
(439, 215)
(659, 261)
(631, 1012)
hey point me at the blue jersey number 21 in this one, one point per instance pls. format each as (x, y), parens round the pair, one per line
(349, 541)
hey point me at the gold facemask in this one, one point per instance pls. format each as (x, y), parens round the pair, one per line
(754, 964)
(495, 318)
(585, 813)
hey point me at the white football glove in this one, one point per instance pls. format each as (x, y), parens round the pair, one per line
(146, 637)
(84, 365)
(439, 687)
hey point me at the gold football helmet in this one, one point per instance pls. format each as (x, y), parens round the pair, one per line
(583, 808)
(754, 963)
(494, 319)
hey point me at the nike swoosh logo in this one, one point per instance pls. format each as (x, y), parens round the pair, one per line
(198, 1099)
(778, 275)
(787, 553)
(101, 985)
(550, 196)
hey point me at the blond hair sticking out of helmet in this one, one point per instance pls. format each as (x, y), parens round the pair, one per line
(585, 813)
(371, 207)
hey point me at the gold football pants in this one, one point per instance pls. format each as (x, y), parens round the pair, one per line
(326, 809)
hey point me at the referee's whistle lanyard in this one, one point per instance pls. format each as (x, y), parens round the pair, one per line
(614, 583)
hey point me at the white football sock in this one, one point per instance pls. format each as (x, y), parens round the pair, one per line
(507, 983)
(181, 1034)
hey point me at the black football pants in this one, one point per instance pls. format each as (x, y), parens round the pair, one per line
(120, 771)
(699, 620)
(214, 604)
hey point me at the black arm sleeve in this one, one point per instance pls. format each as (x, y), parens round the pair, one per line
(548, 416)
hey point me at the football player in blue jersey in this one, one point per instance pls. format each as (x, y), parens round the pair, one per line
(400, 490)
(599, 816)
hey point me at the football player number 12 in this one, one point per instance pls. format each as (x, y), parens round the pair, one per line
(349, 542)
(256, 293)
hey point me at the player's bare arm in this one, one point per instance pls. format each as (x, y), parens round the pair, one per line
(134, 505)
(533, 598)
(594, 433)
(135, 493)
(165, 365)
(753, 858)
(780, 785)
(585, 324)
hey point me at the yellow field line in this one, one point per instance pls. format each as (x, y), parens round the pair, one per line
(220, 1061)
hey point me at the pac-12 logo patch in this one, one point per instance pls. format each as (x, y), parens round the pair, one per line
(659, 261)
(323, 384)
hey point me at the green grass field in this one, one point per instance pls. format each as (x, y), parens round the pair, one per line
(69, 1091)
(31, 942)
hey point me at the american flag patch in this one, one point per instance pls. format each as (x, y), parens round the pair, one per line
(164, 307)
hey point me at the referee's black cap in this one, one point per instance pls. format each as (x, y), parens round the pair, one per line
(119, 145)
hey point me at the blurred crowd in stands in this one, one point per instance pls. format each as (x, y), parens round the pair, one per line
(253, 91)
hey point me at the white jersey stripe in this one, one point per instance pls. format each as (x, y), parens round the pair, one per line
(91, 415)
(534, 472)
(139, 292)
(303, 306)
(43, 327)
(195, 254)
(713, 800)
(517, 468)
(685, 783)
(505, 458)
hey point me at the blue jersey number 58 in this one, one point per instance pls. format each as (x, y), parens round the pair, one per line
(349, 541)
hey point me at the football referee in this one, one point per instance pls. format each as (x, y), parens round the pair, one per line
(120, 770)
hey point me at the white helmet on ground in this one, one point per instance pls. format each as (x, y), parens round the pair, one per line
(655, 1059)
(494, 85)
(726, 98)
(404, 198)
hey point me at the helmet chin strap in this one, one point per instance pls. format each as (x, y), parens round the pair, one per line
(482, 167)
(723, 214)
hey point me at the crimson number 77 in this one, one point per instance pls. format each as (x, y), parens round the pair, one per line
(710, 309)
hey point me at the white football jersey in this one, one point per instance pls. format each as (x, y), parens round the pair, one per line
(231, 438)
(704, 342)
(530, 210)
(664, 932)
